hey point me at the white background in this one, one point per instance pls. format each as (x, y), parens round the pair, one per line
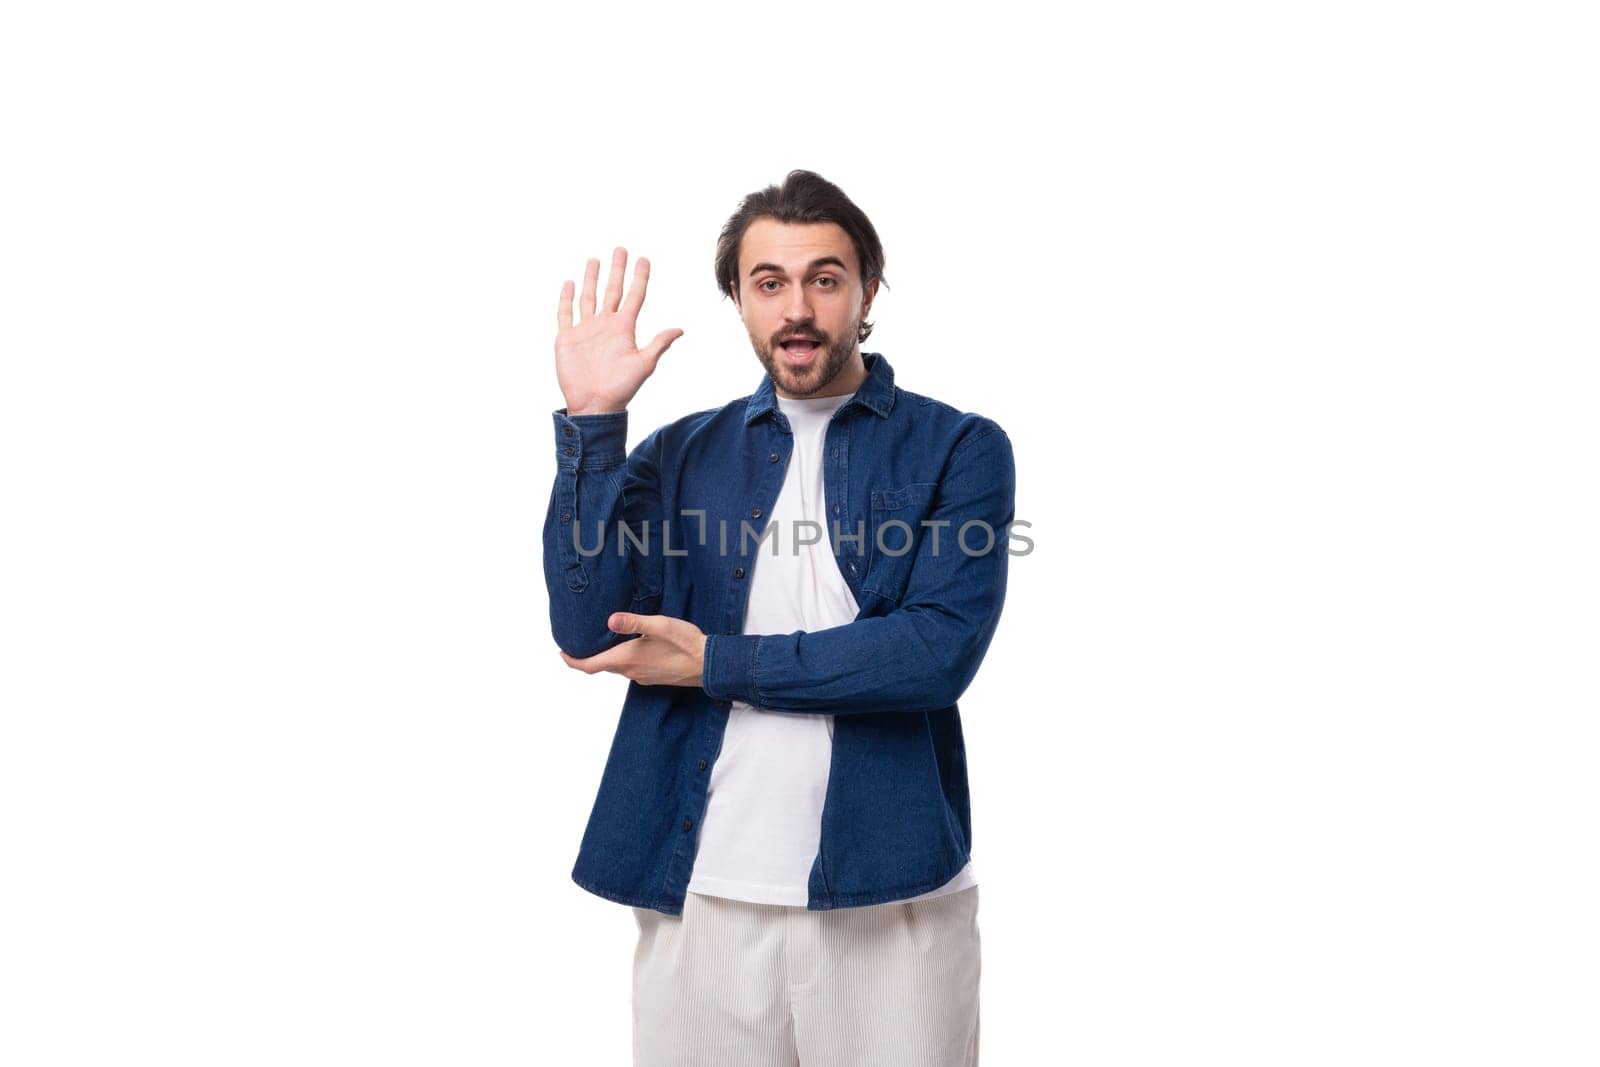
(1284, 752)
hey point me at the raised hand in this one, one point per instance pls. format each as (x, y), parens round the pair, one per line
(598, 364)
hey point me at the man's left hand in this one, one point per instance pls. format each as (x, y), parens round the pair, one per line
(670, 652)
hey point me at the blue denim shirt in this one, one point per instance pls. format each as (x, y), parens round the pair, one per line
(904, 477)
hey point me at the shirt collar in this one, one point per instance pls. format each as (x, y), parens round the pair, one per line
(876, 393)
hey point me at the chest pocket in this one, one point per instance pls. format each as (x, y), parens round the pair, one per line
(895, 535)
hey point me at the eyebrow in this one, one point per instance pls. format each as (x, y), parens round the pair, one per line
(824, 261)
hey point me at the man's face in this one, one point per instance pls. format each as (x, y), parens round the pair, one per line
(802, 280)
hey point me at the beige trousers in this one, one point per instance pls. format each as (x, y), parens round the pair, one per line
(733, 984)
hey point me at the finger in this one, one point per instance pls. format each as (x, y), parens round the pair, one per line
(619, 265)
(591, 279)
(564, 308)
(659, 344)
(609, 660)
(641, 281)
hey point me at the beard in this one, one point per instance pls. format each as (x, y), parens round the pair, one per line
(831, 357)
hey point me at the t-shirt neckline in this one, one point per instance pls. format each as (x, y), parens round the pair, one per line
(811, 403)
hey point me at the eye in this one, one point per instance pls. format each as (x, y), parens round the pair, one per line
(763, 285)
(825, 278)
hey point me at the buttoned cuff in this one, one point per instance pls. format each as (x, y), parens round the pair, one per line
(591, 442)
(730, 667)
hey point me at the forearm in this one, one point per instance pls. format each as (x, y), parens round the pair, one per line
(918, 658)
(588, 572)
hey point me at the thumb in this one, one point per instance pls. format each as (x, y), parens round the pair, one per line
(659, 344)
(623, 622)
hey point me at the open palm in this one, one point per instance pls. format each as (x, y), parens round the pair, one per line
(599, 366)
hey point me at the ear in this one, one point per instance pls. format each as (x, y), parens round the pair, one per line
(866, 301)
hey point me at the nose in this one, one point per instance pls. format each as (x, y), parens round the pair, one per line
(796, 308)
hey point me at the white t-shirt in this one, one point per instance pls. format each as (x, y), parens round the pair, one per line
(763, 819)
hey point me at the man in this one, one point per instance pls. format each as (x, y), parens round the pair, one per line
(799, 584)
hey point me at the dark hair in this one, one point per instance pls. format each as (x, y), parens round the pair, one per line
(803, 197)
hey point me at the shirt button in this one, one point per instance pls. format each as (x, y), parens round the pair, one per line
(852, 566)
(688, 823)
(566, 516)
(738, 572)
(772, 458)
(567, 431)
(836, 509)
(569, 450)
(836, 453)
(755, 513)
(702, 765)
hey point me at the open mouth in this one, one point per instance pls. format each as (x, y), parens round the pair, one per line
(800, 348)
